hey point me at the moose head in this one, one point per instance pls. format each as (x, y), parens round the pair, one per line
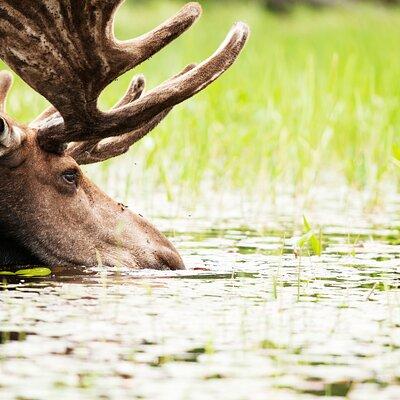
(50, 213)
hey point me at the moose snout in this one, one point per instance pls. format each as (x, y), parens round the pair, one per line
(170, 259)
(162, 258)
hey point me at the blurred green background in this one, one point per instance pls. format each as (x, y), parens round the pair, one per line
(314, 98)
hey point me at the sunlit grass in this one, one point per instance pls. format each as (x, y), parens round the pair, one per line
(314, 94)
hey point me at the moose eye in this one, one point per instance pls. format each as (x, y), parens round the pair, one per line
(71, 177)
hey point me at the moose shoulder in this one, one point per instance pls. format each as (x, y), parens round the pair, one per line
(49, 211)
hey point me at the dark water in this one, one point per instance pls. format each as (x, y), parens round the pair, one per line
(248, 320)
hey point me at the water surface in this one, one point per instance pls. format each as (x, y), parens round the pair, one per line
(251, 318)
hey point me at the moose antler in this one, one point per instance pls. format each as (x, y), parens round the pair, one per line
(93, 151)
(66, 50)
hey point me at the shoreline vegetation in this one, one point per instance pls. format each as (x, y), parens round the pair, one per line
(316, 93)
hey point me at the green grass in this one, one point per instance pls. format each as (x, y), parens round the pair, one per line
(315, 94)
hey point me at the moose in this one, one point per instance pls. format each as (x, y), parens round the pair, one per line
(50, 212)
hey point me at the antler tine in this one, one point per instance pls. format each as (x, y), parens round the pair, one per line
(150, 43)
(134, 91)
(172, 92)
(95, 151)
(6, 81)
(178, 89)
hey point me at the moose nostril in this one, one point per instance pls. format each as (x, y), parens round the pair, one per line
(163, 258)
(170, 259)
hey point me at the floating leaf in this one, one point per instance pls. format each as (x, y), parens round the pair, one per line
(6, 273)
(33, 272)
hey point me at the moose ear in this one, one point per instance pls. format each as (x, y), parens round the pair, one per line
(6, 81)
(11, 137)
(12, 154)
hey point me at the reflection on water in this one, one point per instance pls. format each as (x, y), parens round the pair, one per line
(247, 320)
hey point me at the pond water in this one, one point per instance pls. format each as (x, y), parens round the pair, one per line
(251, 318)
